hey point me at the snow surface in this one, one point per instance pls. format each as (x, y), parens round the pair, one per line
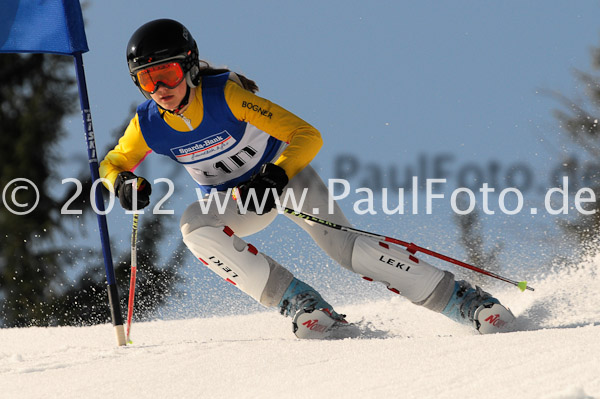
(402, 351)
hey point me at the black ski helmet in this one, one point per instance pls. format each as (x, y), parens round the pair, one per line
(159, 41)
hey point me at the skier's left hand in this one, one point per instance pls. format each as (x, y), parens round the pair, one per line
(270, 176)
(124, 190)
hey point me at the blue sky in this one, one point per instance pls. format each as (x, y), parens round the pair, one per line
(386, 82)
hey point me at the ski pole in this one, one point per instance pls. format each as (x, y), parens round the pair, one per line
(410, 247)
(133, 273)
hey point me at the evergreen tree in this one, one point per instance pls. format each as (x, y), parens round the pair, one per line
(580, 119)
(36, 94)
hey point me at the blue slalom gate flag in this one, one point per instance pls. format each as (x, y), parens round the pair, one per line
(42, 26)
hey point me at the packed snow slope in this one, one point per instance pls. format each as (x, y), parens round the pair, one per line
(398, 350)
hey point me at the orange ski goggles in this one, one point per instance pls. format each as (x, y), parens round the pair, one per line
(169, 74)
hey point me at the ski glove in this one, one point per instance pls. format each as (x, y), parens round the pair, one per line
(124, 190)
(269, 177)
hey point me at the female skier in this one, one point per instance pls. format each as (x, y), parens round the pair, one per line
(229, 139)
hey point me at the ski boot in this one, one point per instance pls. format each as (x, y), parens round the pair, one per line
(473, 306)
(313, 317)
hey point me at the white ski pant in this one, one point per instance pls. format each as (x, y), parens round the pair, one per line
(213, 234)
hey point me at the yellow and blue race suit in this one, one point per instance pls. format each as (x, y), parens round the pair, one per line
(222, 138)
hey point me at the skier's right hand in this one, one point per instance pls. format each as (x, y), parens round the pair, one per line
(124, 190)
